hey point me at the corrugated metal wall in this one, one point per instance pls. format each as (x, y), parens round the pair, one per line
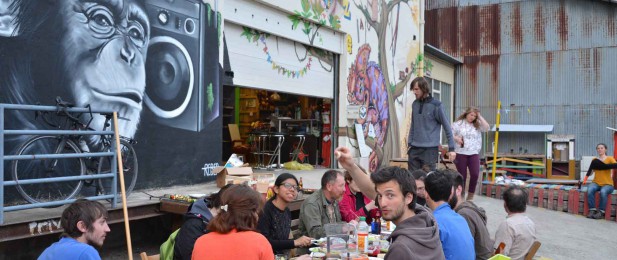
(549, 62)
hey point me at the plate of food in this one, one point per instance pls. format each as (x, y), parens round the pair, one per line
(197, 195)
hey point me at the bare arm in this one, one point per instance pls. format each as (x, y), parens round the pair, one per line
(484, 126)
(363, 181)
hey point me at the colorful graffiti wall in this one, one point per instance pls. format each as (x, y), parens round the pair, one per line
(156, 63)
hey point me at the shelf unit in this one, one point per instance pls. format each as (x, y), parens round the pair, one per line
(248, 110)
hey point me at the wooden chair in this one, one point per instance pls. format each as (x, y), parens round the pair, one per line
(532, 250)
(238, 146)
(145, 256)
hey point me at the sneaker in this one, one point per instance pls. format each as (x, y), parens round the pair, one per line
(599, 215)
(592, 213)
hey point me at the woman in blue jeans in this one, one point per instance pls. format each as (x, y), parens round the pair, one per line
(602, 182)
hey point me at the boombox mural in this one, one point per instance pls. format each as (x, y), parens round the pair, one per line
(156, 62)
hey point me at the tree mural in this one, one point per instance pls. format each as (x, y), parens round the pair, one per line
(369, 85)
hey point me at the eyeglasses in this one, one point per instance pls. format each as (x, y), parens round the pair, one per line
(289, 186)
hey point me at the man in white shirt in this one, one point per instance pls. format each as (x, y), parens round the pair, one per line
(518, 232)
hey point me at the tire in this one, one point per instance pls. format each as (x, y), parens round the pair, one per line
(41, 168)
(130, 165)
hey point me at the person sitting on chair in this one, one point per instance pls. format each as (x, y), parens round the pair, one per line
(275, 219)
(196, 220)
(517, 232)
(85, 226)
(322, 207)
(355, 204)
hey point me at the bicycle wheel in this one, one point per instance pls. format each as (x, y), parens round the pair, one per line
(129, 165)
(47, 168)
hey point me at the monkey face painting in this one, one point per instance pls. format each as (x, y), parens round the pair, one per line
(86, 51)
(104, 48)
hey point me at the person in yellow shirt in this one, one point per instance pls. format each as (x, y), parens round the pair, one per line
(602, 182)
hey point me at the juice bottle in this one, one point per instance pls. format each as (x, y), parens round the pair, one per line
(362, 230)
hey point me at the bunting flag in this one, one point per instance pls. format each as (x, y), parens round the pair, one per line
(282, 70)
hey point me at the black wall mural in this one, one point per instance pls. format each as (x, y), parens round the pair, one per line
(156, 62)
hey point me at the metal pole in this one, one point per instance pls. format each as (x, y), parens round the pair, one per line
(2, 164)
(122, 189)
(496, 139)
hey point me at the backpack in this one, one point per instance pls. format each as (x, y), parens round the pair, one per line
(167, 248)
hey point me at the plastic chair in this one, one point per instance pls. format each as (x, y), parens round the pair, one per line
(533, 250)
(145, 256)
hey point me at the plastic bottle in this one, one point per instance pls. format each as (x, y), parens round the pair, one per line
(362, 230)
(376, 225)
(300, 185)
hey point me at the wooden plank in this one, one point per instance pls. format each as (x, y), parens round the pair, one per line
(550, 202)
(541, 198)
(608, 207)
(524, 162)
(560, 200)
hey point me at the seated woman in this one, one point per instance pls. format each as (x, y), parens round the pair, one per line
(275, 220)
(602, 182)
(354, 204)
(232, 232)
(195, 221)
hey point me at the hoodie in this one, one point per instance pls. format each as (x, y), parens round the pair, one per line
(476, 219)
(416, 238)
(195, 222)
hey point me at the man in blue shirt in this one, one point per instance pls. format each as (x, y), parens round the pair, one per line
(454, 232)
(85, 225)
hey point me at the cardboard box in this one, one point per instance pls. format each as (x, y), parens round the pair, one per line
(222, 174)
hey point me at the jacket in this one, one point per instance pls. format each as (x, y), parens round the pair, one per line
(416, 238)
(348, 207)
(314, 215)
(476, 219)
(194, 226)
(427, 118)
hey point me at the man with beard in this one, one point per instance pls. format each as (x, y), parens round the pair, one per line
(453, 230)
(419, 175)
(474, 215)
(85, 226)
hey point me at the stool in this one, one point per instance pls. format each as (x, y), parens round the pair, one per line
(301, 138)
(275, 155)
(261, 139)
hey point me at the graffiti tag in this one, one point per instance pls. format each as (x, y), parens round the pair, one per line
(208, 169)
(45, 226)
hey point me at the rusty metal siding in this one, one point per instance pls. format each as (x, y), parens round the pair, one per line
(549, 62)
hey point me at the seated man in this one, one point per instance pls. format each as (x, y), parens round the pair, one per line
(474, 215)
(518, 232)
(196, 219)
(322, 207)
(415, 236)
(419, 175)
(454, 232)
(85, 225)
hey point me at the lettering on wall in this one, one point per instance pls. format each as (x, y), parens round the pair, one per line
(44, 227)
(208, 169)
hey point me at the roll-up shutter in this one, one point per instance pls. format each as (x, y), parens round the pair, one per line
(264, 61)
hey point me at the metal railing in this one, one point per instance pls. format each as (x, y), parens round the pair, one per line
(3, 157)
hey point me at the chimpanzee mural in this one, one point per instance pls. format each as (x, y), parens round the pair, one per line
(156, 62)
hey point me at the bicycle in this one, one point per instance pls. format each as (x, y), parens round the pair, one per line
(70, 144)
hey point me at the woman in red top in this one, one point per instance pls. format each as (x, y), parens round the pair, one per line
(354, 204)
(232, 232)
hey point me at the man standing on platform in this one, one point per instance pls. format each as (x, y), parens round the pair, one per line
(427, 119)
(322, 207)
(85, 226)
